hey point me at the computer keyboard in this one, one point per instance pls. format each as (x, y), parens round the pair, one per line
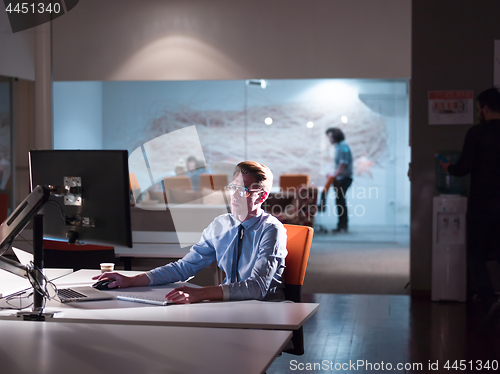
(144, 300)
(69, 294)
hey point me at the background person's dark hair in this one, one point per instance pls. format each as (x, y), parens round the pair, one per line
(490, 98)
(337, 134)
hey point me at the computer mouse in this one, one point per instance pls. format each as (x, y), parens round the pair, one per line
(103, 284)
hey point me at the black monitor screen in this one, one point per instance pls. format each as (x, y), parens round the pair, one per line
(94, 204)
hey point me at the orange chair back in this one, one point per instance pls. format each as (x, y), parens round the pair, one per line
(134, 183)
(289, 181)
(329, 183)
(213, 181)
(177, 183)
(298, 244)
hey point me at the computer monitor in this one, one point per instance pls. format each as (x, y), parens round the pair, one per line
(93, 206)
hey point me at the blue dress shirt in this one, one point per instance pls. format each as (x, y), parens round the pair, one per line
(260, 266)
(343, 155)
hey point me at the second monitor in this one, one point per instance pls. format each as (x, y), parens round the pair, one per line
(92, 205)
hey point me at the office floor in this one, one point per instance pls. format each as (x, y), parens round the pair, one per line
(366, 314)
(366, 234)
(392, 329)
(337, 265)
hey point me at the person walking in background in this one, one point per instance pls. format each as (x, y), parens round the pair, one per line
(342, 176)
(194, 170)
(480, 158)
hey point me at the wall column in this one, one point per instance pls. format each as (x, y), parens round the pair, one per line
(43, 86)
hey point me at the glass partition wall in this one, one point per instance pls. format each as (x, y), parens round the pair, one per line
(280, 123)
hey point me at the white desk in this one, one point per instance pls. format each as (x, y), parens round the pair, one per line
(236, 314)
(61, 348)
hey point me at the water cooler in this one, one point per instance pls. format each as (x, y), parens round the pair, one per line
(449, 264)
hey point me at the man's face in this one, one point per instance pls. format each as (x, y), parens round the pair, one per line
(191, 165)
(241, 205)
(330, 137)
(481, 116)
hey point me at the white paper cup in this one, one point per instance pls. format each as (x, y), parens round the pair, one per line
(107, 266)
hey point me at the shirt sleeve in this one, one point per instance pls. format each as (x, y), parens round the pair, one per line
(200, 256)
(343, 155)
(269, 265)
(466, 160)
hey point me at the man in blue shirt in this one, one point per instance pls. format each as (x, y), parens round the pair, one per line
(249, 245)
(342, 174)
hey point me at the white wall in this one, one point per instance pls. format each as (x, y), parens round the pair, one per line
(227, 39)
(17, 51)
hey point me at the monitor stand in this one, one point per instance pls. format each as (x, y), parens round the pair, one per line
(37, 314)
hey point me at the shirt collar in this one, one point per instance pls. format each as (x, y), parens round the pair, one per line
(250, 222)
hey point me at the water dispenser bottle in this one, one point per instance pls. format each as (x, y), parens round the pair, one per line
(448, 184)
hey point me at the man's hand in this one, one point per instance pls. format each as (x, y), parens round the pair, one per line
(122, 281)
(189, 295)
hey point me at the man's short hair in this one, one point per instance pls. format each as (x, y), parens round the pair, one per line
(337, 134)
(490, 98)
(262, 174)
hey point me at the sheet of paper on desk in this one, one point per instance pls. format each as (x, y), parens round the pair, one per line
(24, 257)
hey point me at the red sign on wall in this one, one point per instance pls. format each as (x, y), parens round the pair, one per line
(451, 107)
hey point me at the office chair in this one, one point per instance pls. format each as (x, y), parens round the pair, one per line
(300, 209)
(178, 183)
(58, 254)
(292, 181)
(298, 244)
(134, 182)
(135, 187)
(213, 181)
(181, 185)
